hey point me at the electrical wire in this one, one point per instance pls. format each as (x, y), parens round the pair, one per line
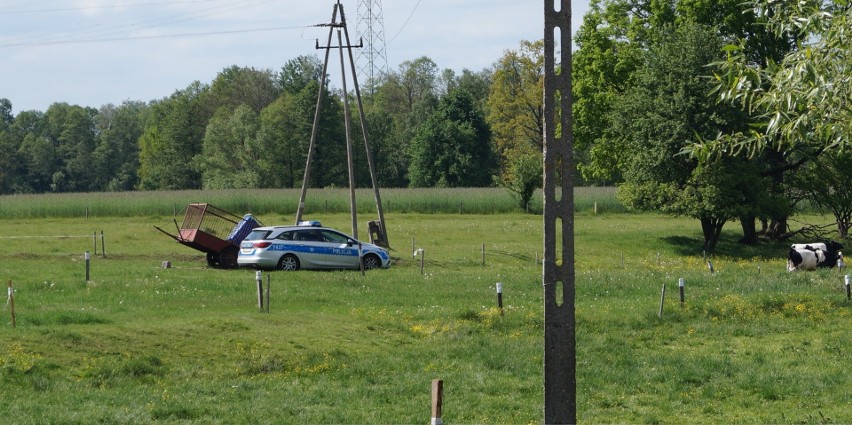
(146, 37)
(406, 22)
(109, 6)
(117, 31)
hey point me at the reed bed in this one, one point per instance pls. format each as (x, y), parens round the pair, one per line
(285, 201)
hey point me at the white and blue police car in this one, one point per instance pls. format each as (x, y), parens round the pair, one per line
(308, 245)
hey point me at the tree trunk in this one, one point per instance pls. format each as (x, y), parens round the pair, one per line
(749, 230)
(842, 228)
(707, 230)
(712, 229)
(777, 228)
(778, 225)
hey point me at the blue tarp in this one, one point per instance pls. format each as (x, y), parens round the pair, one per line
(243, 228)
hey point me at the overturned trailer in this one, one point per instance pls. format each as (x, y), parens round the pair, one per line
(214, 231)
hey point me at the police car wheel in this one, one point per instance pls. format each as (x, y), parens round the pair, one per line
(372, 261)
(289, 262)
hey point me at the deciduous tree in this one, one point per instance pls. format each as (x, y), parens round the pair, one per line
(400, 104)
(802, 100)
(116, 157)
(236, 86)
(453, 148)
(229, 158)
(6, 116)
(172, 138)
(669, 106)
(827, 182)
(515, 104)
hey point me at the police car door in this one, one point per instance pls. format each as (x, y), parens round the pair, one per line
(310, 247)
(341, 252)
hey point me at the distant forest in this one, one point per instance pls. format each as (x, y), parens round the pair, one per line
(251, 128)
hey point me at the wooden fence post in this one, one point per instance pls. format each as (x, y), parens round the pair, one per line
(500, 297)
(437, 401)
(259, 278)
(88, 258)
(11, 301)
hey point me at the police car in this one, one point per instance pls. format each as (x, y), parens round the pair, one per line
(308, 245)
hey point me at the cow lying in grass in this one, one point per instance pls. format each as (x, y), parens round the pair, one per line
(812, 255)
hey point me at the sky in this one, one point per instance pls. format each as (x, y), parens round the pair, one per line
(97, 52)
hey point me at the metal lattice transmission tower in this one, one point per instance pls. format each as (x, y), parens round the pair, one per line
(372, 59)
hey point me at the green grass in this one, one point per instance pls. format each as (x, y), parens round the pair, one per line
(285, 201)
(143, 344)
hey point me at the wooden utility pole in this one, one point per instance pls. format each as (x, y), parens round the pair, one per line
(315, 128)
(353, 208)
(560, 358)
(343, 31)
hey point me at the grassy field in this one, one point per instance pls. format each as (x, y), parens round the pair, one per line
(286, 201)
(143, 344)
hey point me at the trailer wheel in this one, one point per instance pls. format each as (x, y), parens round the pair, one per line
(228, 257)
(288, 262)
(212, 259)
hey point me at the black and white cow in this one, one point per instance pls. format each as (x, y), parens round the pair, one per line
(813, 246)
(809, 246)
(804, 259)
(813, 255)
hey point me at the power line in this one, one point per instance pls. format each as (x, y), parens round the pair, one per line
(145, 37)
(111, 6)
(406, 22)
(116, 30)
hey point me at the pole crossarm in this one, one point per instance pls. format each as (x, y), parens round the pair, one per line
(349, 46)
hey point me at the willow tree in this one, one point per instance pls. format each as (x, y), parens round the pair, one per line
(799, 101)
(804, 100)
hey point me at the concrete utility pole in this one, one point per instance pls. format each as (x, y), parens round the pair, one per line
(560, 356)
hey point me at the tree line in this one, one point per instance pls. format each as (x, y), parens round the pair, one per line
(720, 110)
(250, 128)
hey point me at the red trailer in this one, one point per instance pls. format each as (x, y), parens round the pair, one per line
(214, 231)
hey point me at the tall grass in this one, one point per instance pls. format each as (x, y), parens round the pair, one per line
(285, 201)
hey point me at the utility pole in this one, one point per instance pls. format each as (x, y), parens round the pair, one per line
(342, 31)
(560, 355)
